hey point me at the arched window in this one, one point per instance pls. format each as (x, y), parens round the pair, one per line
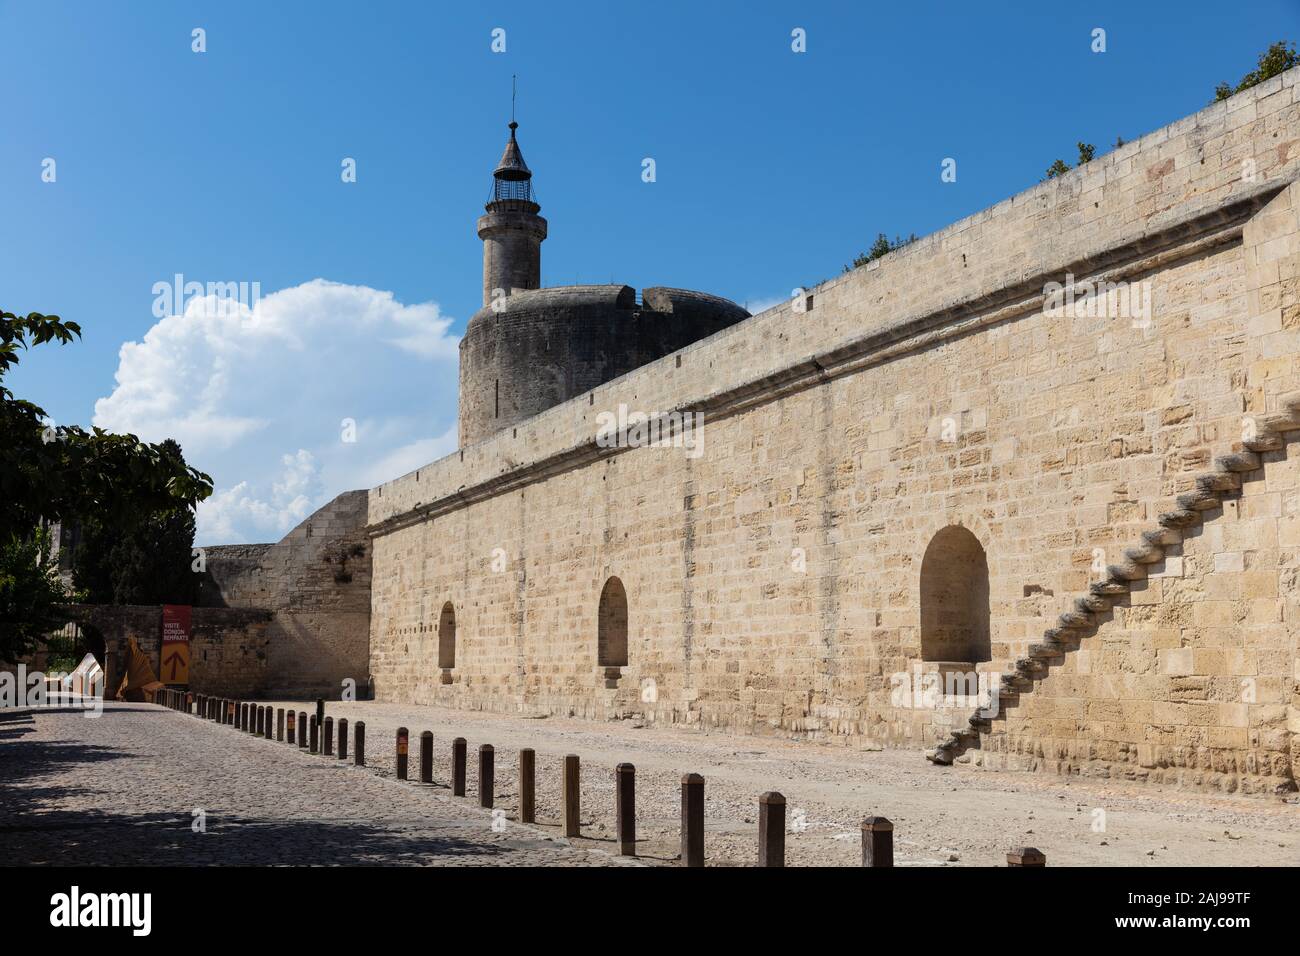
(447, 637)
(611, 627)
(955, 598)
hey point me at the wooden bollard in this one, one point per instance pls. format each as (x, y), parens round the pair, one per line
(279, 724)
(1026, 856)
(486, 780)
(625, 808)
(877, 842)
(314, 729)
(692, 820)
(571, 796)
(302, 730)
(403, 740)
(343, 738)
(458, 748)
(292, 722)
(361, 744)
(426, 757)
(527, 785)
(327, 737)
(771, 829)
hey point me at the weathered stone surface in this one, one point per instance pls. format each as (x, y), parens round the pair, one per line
(774, 579)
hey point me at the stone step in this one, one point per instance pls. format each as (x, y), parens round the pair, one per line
(1070, 626)
(1219, 481)
(1183, 518)
(1145, 554)
(1199, 501)
(1264, 441)
(1239, 462)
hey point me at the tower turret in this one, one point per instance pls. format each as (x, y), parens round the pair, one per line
(511, 229)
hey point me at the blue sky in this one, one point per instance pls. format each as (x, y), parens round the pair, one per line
(773, 169)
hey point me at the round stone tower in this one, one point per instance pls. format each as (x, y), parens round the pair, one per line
(529, 349)
(511, 230)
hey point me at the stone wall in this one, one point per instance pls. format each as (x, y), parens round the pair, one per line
(229, 647)
(315, 584)
(773, 573)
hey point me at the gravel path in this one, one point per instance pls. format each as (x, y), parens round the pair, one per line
(954, 816)
(124, 788)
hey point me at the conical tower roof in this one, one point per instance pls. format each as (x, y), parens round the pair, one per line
(512, 166)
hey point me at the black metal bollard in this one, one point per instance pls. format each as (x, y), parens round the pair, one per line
(877, 842)
(771, 829)
(571, 796)
(403, 743)
(361, 743)
(458, 767)
(1026, 856)
(320, 711)
(279, 724)
(327, 737)
(302, 730)
(289, 733)
(625, 808)
(486, 772)
(527, 785)
(270, 722)
(314, 729)
(692, 820)
(343, 738)
(426, 757)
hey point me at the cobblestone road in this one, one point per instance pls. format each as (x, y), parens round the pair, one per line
(124, 788)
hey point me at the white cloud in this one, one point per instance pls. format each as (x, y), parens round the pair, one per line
(235, 514)
(258, 397)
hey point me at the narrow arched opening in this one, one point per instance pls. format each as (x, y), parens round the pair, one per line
(611, 631)
(447, 641)
(955, 599)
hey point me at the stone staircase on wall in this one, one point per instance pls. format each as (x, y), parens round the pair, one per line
(1212, 489)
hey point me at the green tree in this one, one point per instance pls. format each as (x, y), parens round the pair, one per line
(881, 247)
(1061, 167)
(1058, 168)
(66, 472)
(32, 598)
(147, 561)
(1278, 58)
